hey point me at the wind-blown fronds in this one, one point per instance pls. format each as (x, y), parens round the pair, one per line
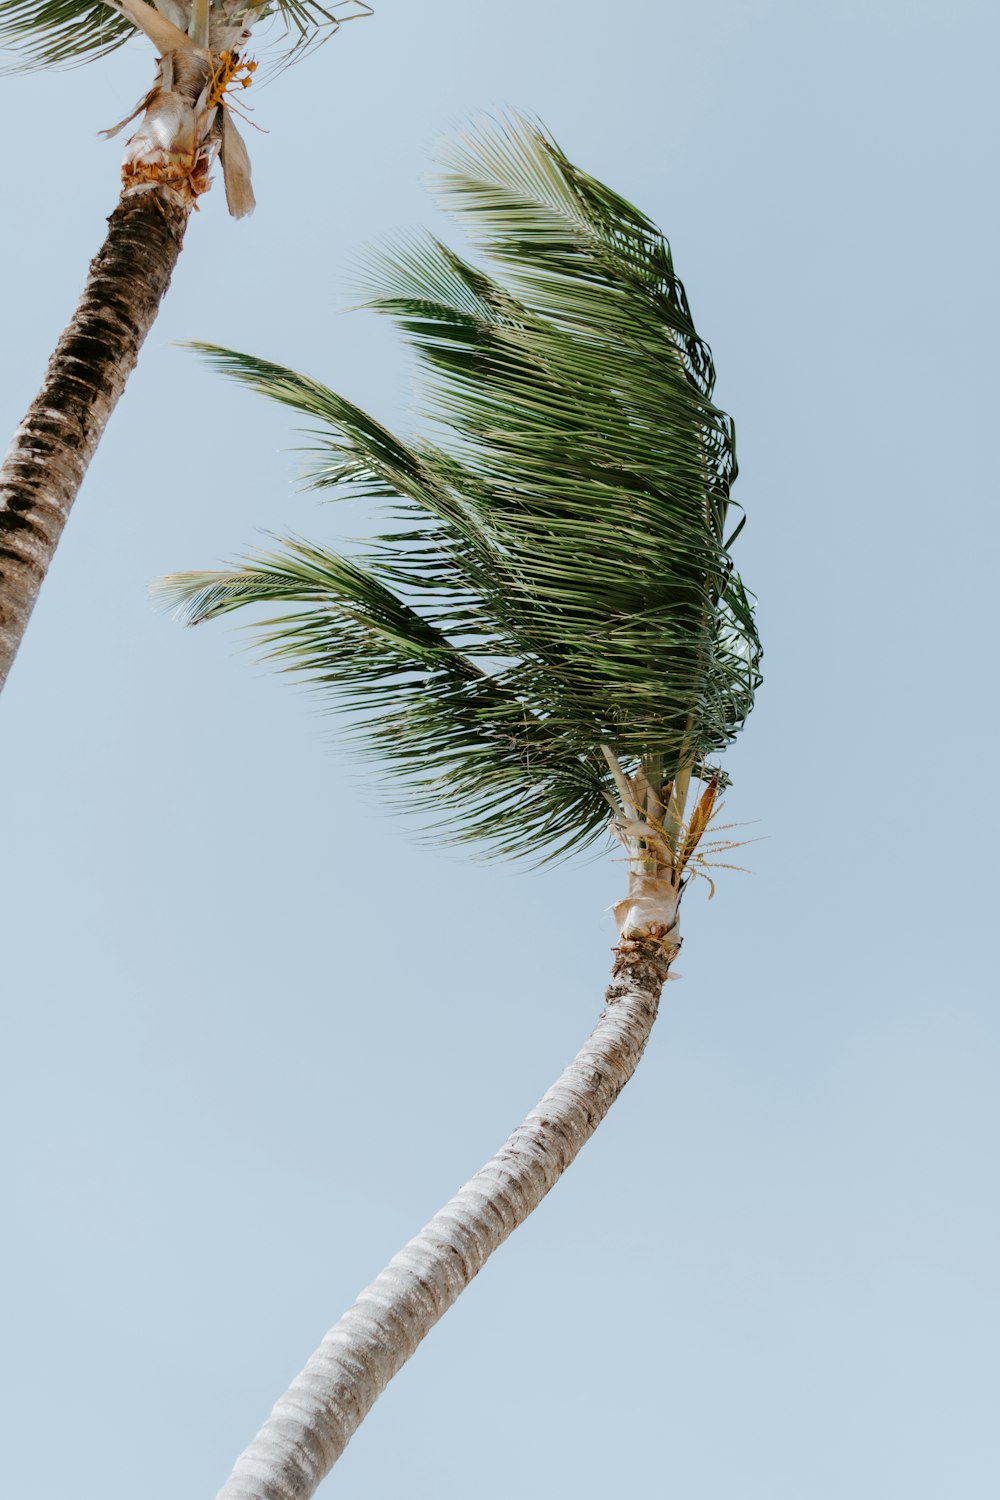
(420, 702)
(562, 580)
(66, 33)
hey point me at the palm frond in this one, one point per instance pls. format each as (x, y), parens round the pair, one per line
(304, 25)
(60, 33)
(565, 542)
(421, 706)
(68, 33)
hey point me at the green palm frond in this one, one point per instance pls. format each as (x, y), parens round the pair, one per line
(306, 24)
(559, 577)
(67, 33)
(60, 33)
(419, 701)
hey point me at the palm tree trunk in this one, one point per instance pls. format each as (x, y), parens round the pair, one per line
(314, 1420)
(53, 446)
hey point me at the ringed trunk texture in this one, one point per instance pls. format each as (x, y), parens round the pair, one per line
(314, 1420)
(53, 446)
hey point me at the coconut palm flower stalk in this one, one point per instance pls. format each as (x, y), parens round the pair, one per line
(548, 643)
(185, 121)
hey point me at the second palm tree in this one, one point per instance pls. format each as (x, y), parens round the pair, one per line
(185, 124)
(549, 643)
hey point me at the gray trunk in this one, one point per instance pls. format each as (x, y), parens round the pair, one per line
(53, 446)
(313, 1422)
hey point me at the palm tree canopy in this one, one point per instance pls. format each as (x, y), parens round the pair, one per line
(556, 577)
(64, 33)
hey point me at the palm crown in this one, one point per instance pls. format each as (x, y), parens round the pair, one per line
(61, 33)
(552, 623)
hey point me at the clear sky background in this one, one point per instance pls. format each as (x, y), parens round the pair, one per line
(254, 1035)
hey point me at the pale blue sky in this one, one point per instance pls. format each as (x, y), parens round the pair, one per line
(254, 1035)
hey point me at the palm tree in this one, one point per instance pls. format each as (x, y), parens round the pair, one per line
(548, 641)
(186, 122)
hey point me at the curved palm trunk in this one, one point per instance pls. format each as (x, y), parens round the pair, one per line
(314, 1420)
(53, 446)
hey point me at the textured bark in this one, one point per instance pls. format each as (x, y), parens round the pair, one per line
(53, 446)
(312, 1423)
